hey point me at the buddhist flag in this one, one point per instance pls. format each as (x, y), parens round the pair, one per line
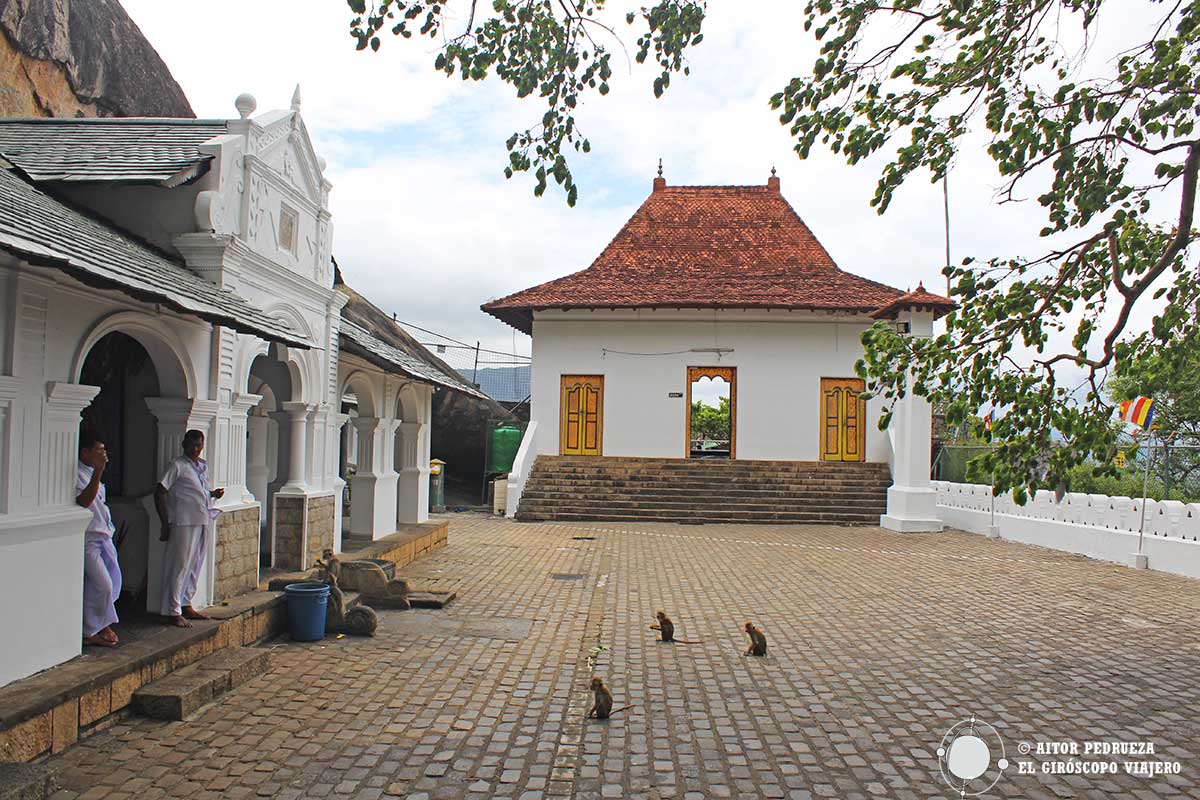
(1139, 411)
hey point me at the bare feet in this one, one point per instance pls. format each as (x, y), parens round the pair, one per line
(192, 613)
(178, 622)
(102, 638)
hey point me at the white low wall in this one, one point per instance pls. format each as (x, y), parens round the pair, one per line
(1093, 525)
(521, 467)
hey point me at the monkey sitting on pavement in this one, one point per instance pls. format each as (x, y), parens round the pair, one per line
(602, 704)
(371, 582)
(359, 621)
(758, 641)
(667, 627)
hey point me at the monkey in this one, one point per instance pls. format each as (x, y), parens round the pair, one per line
(372, 582)
(602, 704)
(667, 627)
(359, 621)
(758, 641)
(330, 563)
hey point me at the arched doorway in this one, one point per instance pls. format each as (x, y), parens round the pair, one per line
(712, 412)
(412, 454)
(268, 439)
(140, 413)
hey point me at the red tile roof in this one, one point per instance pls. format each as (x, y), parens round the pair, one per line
(706, 247)
(917, 299)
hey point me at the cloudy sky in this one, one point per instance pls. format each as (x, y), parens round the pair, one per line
(426, 224)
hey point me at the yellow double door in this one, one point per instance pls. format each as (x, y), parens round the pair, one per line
(843, 417)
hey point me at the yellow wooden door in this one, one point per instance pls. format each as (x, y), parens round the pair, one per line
(843, 420)
(582, 410)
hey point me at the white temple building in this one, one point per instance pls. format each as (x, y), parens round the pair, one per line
(158, 275)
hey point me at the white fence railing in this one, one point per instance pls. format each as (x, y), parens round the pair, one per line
(519, 474)
(1095, 525)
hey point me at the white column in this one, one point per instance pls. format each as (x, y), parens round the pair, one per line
(298, 413)
(337, 436)
(256, 459)
(236, 489)
(412, 502)
(912, 500)
(372, 489)
(60, 456)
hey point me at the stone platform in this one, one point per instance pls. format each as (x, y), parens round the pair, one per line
(50, 711)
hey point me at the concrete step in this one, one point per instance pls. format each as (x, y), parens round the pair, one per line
(431, 599)
(715, 491)
(560, 515)
(27, 781)
(182, 693)
(757, 484)
(857, 505)
(734, 514)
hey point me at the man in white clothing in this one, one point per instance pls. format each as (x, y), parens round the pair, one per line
(184, 501)
(101, 573)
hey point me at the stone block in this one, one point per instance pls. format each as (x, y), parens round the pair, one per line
(26, 781)
(65, 719)
(180, 694)
(241, 663)
(28, 740)
(95, 705)
(123, 689)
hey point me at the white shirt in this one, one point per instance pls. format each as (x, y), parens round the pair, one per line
(101, 522)
(189, 497)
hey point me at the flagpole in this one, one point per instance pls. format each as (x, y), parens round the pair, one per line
(1139, 558)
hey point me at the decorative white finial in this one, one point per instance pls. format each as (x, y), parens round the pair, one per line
(321, 163)
(245, 104)
(296, 98)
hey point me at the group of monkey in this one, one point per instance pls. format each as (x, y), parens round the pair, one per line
(602, 699)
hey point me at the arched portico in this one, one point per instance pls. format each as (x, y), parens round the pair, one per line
(373, 483)
(148, 400)
(413, 409)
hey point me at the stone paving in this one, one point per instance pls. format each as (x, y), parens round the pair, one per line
(879, 644)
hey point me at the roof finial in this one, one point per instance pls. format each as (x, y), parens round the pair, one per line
(245, 104)
(773, 181)
(660, 182)
(660, 168)
(296, 98)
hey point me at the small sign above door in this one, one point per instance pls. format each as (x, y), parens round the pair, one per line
(674, 394)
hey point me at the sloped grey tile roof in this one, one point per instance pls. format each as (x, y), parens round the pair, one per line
(145, 150)
(358, 340)
(42, 230)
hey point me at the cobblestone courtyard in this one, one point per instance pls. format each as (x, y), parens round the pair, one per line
(879, 643)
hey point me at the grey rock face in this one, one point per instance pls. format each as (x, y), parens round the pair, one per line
(104, 56)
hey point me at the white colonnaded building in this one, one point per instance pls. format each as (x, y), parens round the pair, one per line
(158, 275)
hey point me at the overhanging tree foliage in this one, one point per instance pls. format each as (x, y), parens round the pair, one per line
(1107, 147)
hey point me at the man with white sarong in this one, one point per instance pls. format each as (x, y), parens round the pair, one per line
(101, 573)
(184, 501)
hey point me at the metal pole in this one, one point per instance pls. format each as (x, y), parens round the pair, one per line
(1166, 470)
(946, 215)
(1145, 489)
(475, 369)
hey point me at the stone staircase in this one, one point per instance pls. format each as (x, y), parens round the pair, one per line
(704, 490)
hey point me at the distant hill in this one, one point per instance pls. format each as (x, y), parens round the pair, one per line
(502, 384)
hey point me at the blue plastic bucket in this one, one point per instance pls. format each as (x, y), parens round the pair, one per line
(306, 610)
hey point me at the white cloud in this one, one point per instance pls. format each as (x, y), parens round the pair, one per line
(427, 226)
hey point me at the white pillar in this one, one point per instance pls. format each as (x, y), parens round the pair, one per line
(298, 413)
(237, 489)
(257, 430)
(412, 502)
(60, 457)
(373, 487)
(912, 500)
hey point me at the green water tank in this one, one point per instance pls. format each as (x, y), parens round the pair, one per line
(506, 440)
